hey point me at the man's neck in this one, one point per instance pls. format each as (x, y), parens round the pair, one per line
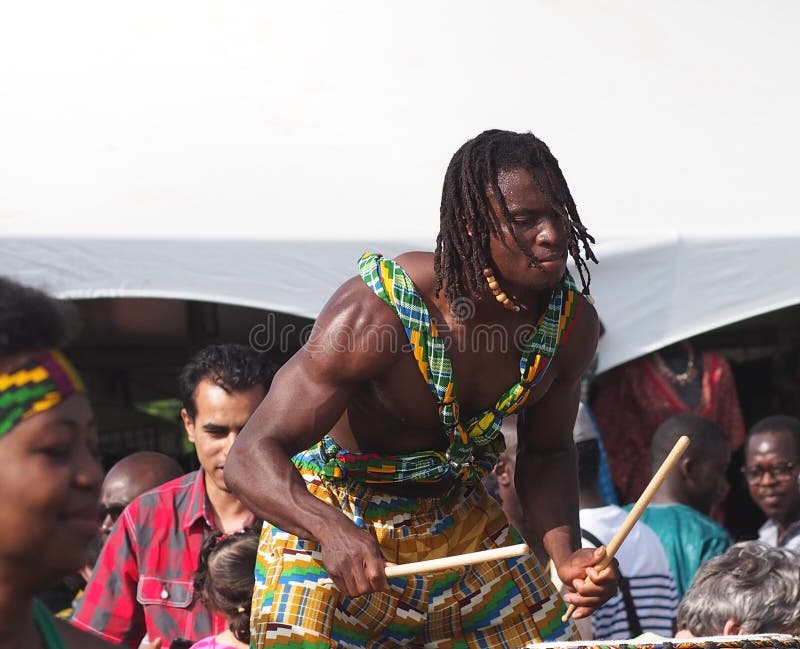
(230, 515)
(666, 496)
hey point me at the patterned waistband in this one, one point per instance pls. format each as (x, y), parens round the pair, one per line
(327, 459)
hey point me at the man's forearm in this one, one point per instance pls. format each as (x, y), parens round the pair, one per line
(547, 486)
(269, 485)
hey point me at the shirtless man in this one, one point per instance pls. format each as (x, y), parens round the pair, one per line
(407, 436)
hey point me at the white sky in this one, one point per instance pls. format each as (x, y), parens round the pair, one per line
(322, 119)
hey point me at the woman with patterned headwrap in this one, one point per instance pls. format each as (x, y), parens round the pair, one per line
(50, 474)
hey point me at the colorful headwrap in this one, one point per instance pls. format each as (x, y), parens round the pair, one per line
(43, 382)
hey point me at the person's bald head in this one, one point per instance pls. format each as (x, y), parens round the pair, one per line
(130, 478)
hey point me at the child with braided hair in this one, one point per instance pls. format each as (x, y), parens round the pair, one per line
(224, 581)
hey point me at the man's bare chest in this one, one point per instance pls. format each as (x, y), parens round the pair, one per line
(404, 398)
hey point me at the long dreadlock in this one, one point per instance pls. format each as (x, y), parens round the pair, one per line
(472, 172)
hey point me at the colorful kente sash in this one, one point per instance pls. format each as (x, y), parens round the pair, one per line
(41, 383)
(474, 445)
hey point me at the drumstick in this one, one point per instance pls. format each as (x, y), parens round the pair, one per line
(636, 511)
(445, 563)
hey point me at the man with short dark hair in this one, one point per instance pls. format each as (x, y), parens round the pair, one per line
(392, 434)
(142, 583)
(679, 511)
(772, 471)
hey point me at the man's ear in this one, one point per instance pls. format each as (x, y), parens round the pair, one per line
(504, 472)
(732, 627)
(687, 467)
(188, 423)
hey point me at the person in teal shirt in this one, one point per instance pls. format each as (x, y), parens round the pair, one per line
(678, 513)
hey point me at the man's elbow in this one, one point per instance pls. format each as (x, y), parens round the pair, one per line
(235, 466)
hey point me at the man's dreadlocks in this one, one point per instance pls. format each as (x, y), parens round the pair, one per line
(471, 174)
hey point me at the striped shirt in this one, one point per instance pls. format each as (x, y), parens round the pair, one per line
(644, 563)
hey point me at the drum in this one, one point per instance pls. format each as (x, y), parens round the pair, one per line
(766, 641)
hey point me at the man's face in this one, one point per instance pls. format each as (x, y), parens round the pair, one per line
(540, 231)
(220, 416)
(115, 495)
(771, 469)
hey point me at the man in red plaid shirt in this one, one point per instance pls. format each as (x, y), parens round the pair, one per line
(143, 580)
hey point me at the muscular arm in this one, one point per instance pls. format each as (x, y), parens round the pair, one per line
(307, 397)
(546, 474)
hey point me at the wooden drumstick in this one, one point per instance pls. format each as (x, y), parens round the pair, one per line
(445, 563)
(636, 511)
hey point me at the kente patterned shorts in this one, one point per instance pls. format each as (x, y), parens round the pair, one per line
(506, 603)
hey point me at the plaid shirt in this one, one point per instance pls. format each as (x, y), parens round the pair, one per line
(143, 579)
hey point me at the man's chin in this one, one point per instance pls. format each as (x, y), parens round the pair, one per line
(218, 479)
(541, 281)
(776, 514)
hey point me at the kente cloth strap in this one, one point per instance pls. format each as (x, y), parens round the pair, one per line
(46, 626)
(41, 383)
(474, 445)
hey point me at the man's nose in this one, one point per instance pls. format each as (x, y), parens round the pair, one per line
(106, 524)
(553, 231)
(767, 478)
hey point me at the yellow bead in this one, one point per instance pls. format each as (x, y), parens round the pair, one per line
(494, 285)
(502, 297)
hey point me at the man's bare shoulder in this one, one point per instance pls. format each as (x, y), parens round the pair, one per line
(419, 267)
(354, 305)
(356, 336)
(576, 353)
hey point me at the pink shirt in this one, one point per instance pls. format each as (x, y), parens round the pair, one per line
(210, 643)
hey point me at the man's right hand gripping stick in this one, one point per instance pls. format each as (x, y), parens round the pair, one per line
(638, 508)
(447, 563)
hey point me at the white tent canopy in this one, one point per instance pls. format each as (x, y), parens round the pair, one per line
(247, 152)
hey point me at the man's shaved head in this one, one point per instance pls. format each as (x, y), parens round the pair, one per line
(131, 477)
